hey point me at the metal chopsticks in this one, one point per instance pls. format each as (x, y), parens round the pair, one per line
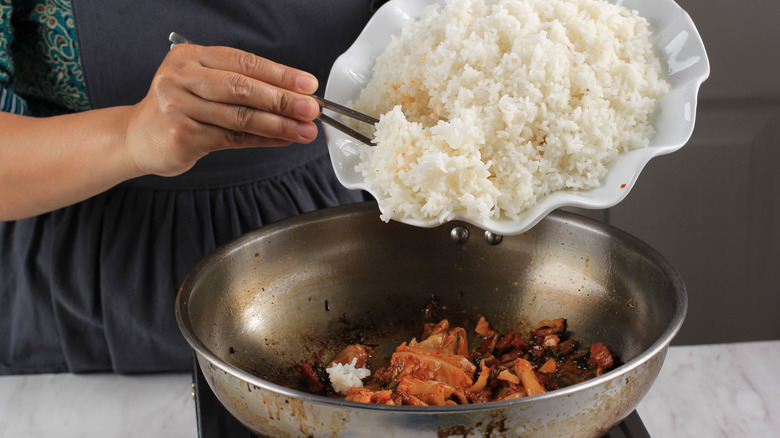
(326, 104)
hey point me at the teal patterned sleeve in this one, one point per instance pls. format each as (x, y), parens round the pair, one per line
(9, 101)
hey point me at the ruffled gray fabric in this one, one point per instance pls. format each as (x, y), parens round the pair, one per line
(91, 287)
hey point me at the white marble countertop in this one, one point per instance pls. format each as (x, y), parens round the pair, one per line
(730, 390)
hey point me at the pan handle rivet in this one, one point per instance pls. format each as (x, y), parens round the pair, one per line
(459, 235)
(493, 238)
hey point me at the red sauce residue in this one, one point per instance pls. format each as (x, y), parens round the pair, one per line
(622, 186)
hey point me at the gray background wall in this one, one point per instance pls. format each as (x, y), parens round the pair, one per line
(713, 208)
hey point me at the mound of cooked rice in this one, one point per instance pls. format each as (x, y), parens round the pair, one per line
(489, 105)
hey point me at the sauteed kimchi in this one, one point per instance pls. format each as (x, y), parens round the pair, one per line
(442, 369)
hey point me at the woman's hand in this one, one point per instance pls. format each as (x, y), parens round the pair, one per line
(208, 98)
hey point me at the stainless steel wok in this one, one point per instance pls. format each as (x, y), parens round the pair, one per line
(261, 305)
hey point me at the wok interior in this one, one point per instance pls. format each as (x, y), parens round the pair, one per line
(305, 288)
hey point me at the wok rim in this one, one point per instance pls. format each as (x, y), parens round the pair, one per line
(225, 250)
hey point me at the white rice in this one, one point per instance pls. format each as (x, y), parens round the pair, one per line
(489, 105)
(345, 376)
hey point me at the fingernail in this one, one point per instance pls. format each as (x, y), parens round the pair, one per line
(307, 131)
(306, 83)
(306, 108)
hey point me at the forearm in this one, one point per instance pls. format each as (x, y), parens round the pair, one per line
(49, 163)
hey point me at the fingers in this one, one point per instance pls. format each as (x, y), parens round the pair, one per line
(239, 139)
(256, 67)
(253, 121)
(242, 92)
(241, 78)
(237, 89)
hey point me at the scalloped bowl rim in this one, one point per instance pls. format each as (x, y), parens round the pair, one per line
(683, 58)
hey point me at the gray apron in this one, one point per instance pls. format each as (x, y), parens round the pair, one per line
(91, 287)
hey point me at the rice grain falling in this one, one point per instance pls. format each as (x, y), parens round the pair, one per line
(345, 376)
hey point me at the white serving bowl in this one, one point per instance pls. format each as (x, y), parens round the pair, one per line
(683, 59)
